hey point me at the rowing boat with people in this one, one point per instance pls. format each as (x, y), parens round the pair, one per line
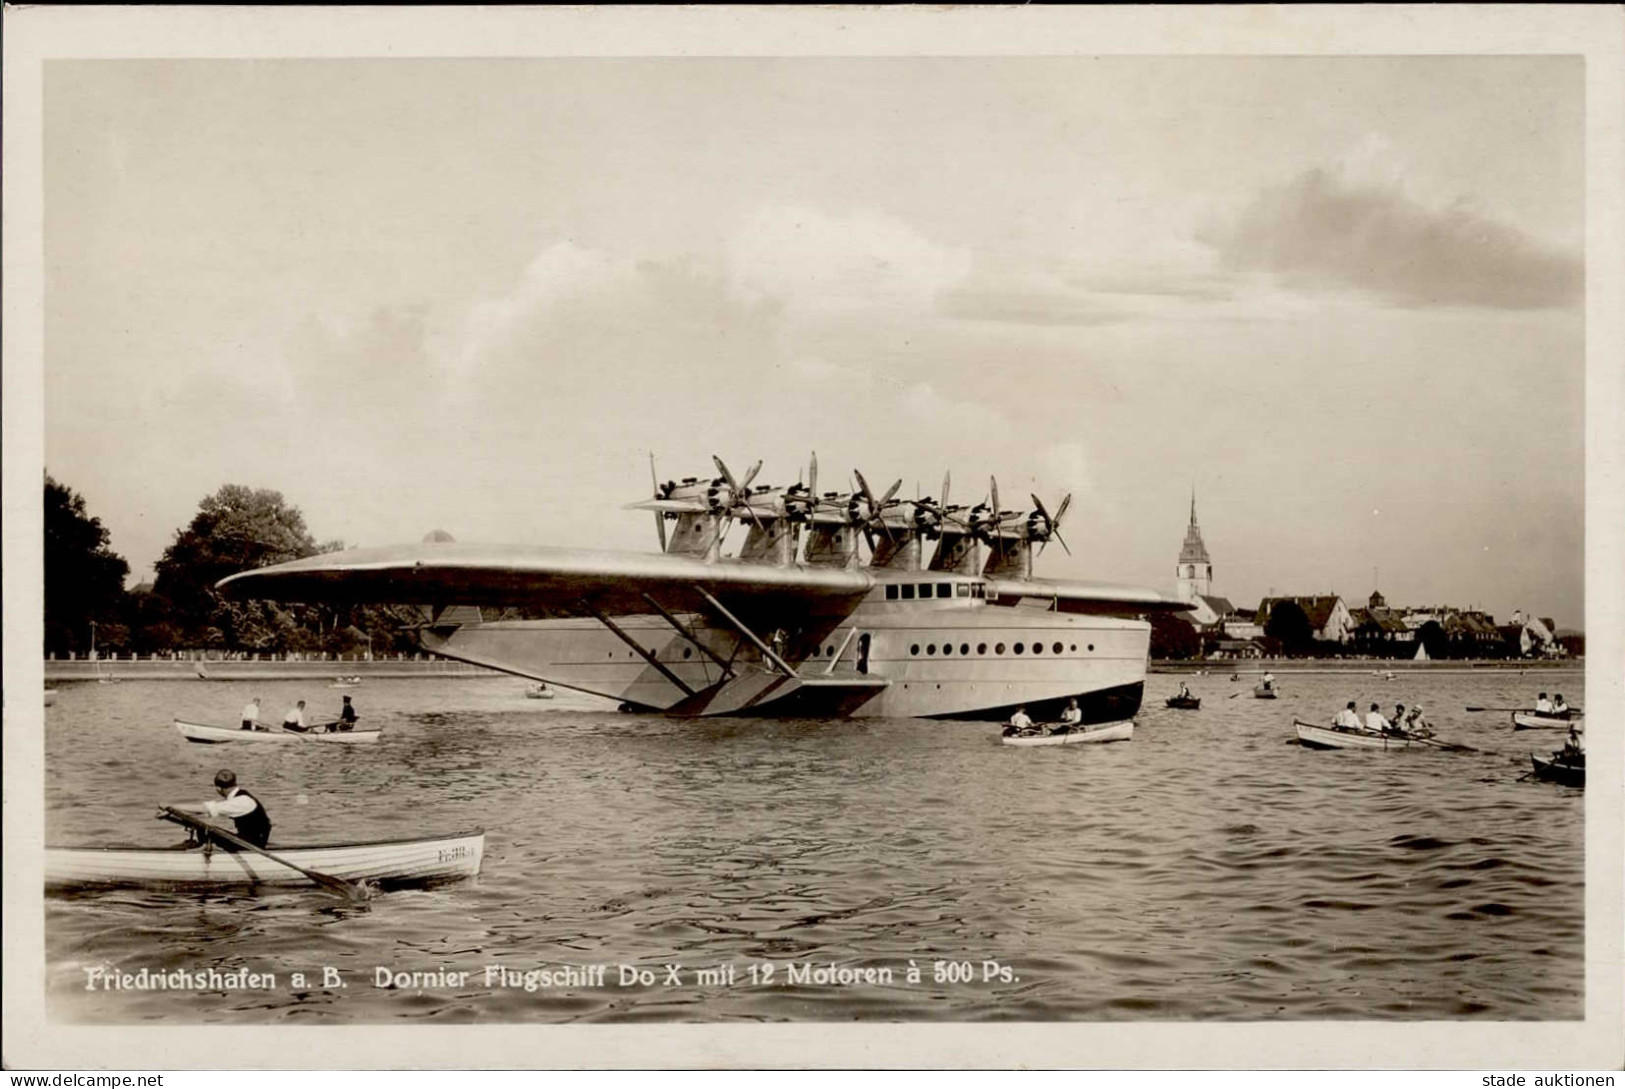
(204, 734)
(1569, 770)
(1077, 735)
(1545, 720)
(1185, 703)
(1265, 692)
(389, 863)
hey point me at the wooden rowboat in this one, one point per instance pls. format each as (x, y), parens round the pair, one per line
(1264, 692)
(218, 735)
(1333, 737)
(1534, 720)
(389, 863)
(1185, 703)
(1560, 769)
(1080, 735)
(538, 692)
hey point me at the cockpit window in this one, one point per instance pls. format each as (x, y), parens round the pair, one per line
(891, 592)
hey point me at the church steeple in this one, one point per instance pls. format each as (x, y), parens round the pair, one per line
(1194, 573)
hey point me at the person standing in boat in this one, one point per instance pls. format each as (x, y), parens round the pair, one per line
(1374, 722)
(1347, 719)
(1071, 718)
(245, 810)
(347, 717)
(294, 718)
(251, 714)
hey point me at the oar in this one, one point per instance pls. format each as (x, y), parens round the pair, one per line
(1474, 709)
(327, 881)
(1446, 745)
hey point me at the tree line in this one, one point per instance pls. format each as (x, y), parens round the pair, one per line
(235, 528)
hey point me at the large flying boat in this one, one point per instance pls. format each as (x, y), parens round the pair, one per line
(798, 623)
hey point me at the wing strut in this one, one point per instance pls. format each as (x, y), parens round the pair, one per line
(629, 641)
(727, 669)
(767, 651)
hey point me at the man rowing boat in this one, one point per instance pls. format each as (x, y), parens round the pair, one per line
(1071, 718)
(245, 810)
(1347, 719)
(251, 715)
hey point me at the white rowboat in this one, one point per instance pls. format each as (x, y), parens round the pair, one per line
(386, 863)
(1109, 731)
(1534, 720)
(1328, 737)
(219, 735)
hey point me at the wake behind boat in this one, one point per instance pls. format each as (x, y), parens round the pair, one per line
(204, 734)
(1078, 735)
(385, 863)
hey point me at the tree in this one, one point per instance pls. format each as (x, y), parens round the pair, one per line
(1173, 638)
(235, 529)
(84, 579)
(1289, 624)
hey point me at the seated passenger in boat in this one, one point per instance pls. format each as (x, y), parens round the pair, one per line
(1374, 722)
(251, 715)
(1416, 724)
(347, 718)
(1269, 679)
(245, 810)
(1397, 726)
(1543, 706)
(1184, 693)
(1347, 719)
(294, 718)
(1071, 718)
(1559, 706)
(1019, 723)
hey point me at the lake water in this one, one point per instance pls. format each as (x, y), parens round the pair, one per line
(1209, 869)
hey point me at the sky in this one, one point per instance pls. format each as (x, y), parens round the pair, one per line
(1340, 298)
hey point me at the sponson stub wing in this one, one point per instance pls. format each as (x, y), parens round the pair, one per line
(519, 575)
(1098, 598)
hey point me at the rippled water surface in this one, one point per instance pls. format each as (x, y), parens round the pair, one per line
(1210, 868)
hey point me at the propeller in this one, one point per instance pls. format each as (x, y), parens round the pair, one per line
(1052, 525)
(877, 507)
(660, 518)
(739, 491)
(801, 500)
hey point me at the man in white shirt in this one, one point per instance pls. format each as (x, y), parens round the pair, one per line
(251, 714)
(1560, 706)
(245, 810)
(1019, 722)
(1269, 679)
(295, 718)
(1348, 718)
(1071, 718)
(1543, 706)
(1374, 722)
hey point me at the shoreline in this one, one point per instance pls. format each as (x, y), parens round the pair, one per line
(1283, 666)
(166, 669)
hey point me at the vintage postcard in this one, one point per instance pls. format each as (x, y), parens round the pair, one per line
(732, 537)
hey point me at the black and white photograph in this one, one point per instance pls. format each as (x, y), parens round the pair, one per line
(987, 537)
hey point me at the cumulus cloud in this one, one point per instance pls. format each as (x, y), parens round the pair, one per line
(815, 260)
(1326, 230)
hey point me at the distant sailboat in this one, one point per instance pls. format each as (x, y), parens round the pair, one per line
(1421, 653)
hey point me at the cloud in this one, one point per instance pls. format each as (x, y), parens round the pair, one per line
(1324, 230)
(815, 260)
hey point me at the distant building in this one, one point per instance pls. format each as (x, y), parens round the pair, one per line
(1329, 618)
(1193, 579)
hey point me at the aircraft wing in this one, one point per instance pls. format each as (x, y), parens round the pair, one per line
(448, 573)
(1089, 597)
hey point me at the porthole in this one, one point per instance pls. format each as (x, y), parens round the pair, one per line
(1056, 648)
(964, 648)
(947, 648)
(1019, 647)
(915, 649)
(931, 649)
(981, 648)
(998, 649)
(1074, 648)
(1091, 646)
(1038, 648)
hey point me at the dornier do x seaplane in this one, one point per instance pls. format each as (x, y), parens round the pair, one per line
(797, 623)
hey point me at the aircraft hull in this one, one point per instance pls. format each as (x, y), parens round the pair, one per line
(954, 659)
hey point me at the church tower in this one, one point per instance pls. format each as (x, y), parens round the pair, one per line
(1194, 575)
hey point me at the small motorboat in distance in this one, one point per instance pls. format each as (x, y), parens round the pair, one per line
(1568, 769)
(345, 682)
(1265, 692)
(538, 692)
(1338, 737)
(1185, 703)
(205, 734)
(1536, 720)
(1077, 735)
(390, 863)
(50, 696)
